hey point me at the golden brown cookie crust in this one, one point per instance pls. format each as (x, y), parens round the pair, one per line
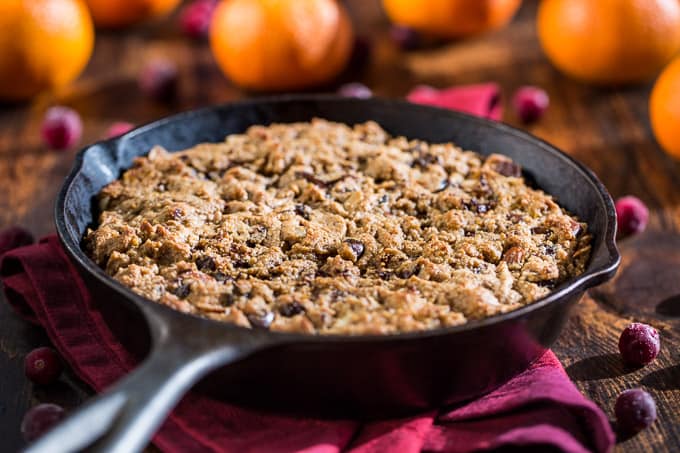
(324, 228)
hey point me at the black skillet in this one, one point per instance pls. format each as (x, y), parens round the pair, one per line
(362, 376)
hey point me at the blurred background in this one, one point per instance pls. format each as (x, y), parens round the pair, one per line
(589, 66)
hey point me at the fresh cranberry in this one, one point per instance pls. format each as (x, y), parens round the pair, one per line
(635, 410)
(40, 419)
(159, 80)
(355, 90)
(406, 38)
(361, 53)
(639, 344)
(632, 215)
(42, 365)
(118, 128)
(61, 128)
(195, 18)
(530, 103)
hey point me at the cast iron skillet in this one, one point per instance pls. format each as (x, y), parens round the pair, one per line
(362, 376)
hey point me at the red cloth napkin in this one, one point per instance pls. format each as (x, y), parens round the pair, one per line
(482, 99)
(540, 407)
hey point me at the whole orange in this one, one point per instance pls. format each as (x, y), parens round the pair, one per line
(452, 18)
(664, 109)
(44, 44)
(121, 13)
(281, 44)
(610, 41)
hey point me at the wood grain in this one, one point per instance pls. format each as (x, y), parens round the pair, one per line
(606, 129)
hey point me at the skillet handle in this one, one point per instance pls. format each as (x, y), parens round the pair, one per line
(125, 417)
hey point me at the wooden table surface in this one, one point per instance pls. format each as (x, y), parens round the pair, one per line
(607, 129)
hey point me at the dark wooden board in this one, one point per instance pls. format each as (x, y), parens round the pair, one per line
(606, 129)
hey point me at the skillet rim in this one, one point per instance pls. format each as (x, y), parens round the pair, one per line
(563, 292)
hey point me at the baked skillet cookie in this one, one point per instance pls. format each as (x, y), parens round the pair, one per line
(324, 228)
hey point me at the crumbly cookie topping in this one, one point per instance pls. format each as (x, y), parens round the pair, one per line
(325, 228)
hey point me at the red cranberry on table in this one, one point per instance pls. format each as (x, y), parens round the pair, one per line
(355, 90)
(118, 128)
(40, 419)
(195, 18)
(632, 215)
(635, 410)
(159, 80)
(530, 103)
(639, 344)
(61, 128)
(43, 366)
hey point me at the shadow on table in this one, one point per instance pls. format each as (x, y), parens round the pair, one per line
(597, 367)
(621, 435)
(669, 307)
(664, 379)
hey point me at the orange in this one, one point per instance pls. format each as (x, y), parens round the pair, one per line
(451, 18)
(121, 13)
(664, 109)
(610, 41)
(281, 44)
(44, 44)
